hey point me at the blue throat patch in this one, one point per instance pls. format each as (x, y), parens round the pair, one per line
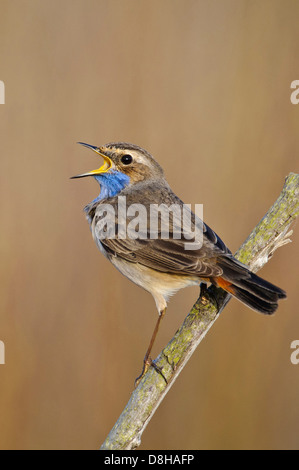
(111, 184)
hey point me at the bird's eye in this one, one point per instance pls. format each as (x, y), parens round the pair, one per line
(126, 159)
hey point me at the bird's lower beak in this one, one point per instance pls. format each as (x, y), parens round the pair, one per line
(103, 169)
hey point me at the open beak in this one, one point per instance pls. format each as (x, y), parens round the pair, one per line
(103, 169)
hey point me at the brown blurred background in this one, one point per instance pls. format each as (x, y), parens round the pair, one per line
(205, 87)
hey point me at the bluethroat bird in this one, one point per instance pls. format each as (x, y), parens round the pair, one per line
(162, 265)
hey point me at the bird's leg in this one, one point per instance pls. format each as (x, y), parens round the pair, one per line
(206, 294)
(147, 361)
(203, 292)
(203, 288)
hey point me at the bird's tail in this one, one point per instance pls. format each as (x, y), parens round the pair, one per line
(252, 290)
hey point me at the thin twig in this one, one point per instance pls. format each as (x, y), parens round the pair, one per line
(272, 232)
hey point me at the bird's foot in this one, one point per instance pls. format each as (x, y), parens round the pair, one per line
(147, 363)
(203, 293)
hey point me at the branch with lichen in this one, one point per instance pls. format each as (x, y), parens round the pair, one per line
(272, 232)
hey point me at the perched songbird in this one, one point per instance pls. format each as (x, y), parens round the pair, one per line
(161, 265)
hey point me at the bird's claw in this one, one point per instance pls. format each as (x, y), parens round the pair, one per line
(147, 363)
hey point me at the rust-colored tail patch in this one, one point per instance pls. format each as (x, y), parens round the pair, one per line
(226, 285)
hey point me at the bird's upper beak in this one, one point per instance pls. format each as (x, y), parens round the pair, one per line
(103, 169)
